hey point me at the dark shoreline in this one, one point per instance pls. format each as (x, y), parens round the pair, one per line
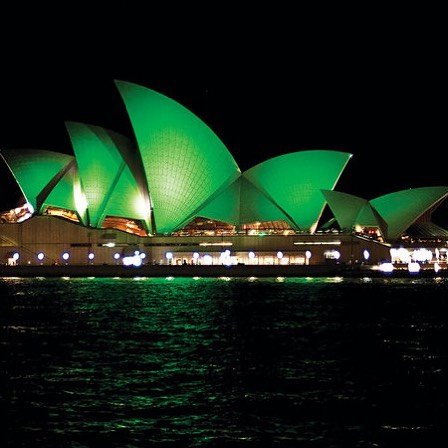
(209, 271)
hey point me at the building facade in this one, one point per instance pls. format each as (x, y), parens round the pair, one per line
(173, 194)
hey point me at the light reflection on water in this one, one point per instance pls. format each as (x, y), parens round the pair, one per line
(223, 362)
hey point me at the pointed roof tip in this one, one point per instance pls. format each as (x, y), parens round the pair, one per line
(80, 124)
(120, 85)
(74, 127)
(77, 126)
(120, 82)
(72, 123)
(427, 188)
(124, 86)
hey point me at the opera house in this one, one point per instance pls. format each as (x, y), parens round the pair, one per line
(173, 194)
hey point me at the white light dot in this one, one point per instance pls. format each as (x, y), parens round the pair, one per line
(386, 267)
(413, 267)
(16, 256)
(40, 256)
(251, 255)
(116, 256)
(91, 256)
(169, 255)
(127, 261)
(65, 256)
(279, 254)
(208, 259)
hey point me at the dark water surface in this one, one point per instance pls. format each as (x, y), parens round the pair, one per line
(210, 362)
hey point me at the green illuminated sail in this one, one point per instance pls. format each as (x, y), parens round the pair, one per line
(257, 207)
(109, 186)
(67, 194)
(184, 161)
(369, 217)
(36, 171)
(293, 182)
(402, 208)
(225, 207)
(350, 210)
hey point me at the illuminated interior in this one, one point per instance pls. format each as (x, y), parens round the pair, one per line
(369, 231)
(204, 226)
(61, 213)
(211, 227)
(18, 214)
(278, 227)
(125, 225)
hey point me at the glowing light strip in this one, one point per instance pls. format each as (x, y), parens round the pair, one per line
(223, 243)
(318, 243)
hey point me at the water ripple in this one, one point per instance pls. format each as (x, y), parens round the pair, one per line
(223, 362)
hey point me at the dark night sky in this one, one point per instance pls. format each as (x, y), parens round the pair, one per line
(381, 99)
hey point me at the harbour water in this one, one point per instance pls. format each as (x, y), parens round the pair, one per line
(307, 362)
